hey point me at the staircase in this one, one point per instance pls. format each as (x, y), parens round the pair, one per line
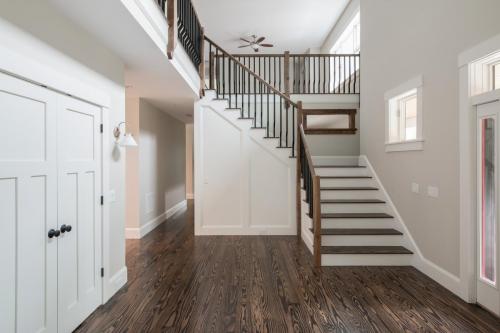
(357, 222)
(343, 214)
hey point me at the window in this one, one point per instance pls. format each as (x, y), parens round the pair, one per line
(404, 117)
(495, 73)
(349, 40)
(348, 43)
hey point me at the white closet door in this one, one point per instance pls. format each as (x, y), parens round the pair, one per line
(79, 192)
(28, 207)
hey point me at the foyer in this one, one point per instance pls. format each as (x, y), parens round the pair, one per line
(181, 283)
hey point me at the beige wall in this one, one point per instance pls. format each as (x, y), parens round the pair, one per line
(399, 40)
(132, 165)
(162, 162)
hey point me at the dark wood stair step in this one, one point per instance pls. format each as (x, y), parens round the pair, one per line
(339, 166)
(356, 216)
(359, 232)
(363, 188)
(365, 250)
(352, 201)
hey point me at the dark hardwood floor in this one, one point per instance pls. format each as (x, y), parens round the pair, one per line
(181, 283)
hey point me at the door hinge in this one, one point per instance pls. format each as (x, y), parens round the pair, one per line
(102, 128)
(102, 271)
(102, 200)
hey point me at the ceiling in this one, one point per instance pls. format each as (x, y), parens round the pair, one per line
(291, 25)
(148, 73)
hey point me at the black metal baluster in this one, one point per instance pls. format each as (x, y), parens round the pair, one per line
(293, 131)
(324, 75)
(217, 72)
(281, 123)
(274, 114)
(355, 72)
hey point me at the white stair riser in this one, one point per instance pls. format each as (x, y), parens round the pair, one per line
(364, 240)
(350, 194)
(358, 223)
(335, 160)
(363, 182)
(366, 259)
(355, 208)
(341, 171)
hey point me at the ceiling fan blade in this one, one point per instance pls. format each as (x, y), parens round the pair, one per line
(260, 39)
(267, 45)
(247, 41)
(242, 46)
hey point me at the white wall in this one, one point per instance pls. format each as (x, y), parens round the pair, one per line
(49, 49)
(401, 39)
(162, 163)
(339, 27)
(189, 161)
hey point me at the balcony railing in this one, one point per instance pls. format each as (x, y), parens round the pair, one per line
(184, 27)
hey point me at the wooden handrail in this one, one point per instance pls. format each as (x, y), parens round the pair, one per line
(264, 55)
(248, 70)
(316, 195)
(307, 151)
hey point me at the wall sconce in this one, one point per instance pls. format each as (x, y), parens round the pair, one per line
(127, 140)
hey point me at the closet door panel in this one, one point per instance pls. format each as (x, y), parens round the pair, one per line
(28, 207)
(79, 252)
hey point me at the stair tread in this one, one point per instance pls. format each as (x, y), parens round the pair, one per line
(365, 250)
(346, 177)
(356, 216)
(352, 201)
(355, 188)
(357, 231)
(339, 166)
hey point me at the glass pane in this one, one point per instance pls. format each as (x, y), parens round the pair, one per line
(488, 198)
(496, 76)
(394, 122)
(410, 107)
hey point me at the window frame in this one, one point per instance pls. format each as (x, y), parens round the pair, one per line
(393, 98)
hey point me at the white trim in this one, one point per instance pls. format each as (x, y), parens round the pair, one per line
(443, 277)
(467, 167)
(189, 196)
(409, 145)
(138, 233)
(117, 281)
(480, 51)
(413, 83)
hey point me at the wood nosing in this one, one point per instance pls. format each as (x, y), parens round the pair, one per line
(359, 232)
(365, 250)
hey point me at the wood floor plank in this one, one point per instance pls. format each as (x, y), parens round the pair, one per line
(181, 283)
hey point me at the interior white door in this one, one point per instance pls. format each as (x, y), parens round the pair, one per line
(79, 193)
(28, 207)
(488, 294)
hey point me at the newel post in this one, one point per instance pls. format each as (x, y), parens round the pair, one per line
(298, 187)
(286, 74)
(172, 27)
(202, 63)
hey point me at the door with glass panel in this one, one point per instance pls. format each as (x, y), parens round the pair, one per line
(488, 294)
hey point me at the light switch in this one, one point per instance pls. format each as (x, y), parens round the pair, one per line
(433, 191)
(415, 188)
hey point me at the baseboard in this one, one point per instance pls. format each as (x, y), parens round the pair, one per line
(189, 196)
(438, 274)
(115, 283)
(138, 233)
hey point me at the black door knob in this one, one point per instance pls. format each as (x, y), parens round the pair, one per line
(65, 228)
(53, 233)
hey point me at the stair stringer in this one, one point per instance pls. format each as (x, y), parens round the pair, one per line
(265, 177)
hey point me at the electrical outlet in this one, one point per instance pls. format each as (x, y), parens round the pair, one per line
(415, 188)
(433, 191)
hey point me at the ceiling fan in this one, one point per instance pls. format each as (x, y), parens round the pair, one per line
(255, 43)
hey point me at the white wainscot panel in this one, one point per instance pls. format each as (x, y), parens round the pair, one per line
(269, 189)
(223, 177)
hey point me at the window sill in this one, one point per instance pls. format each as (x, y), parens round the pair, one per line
(404, 146)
